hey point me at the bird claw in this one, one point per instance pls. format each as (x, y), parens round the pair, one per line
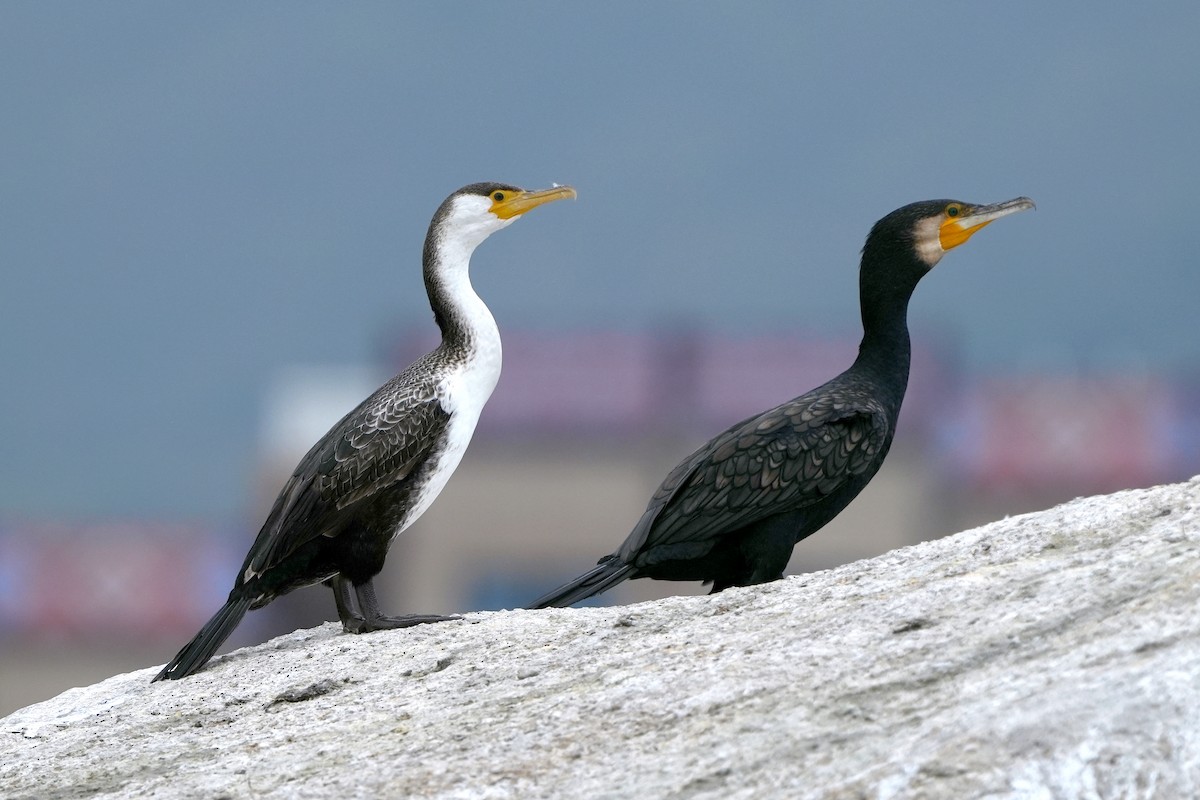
(358, 624)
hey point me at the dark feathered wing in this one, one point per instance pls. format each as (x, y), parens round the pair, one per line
(779, 461)
(373, 447)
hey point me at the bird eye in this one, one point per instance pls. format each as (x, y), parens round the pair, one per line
(952, 210)
(498, 196)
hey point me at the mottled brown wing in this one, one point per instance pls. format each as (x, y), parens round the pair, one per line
(373, 447)
(780, 461)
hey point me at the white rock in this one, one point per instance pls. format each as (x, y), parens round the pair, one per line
(1049, 655)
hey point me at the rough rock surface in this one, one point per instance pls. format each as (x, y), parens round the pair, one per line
(1050, 655)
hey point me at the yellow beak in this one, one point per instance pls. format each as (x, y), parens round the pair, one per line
(516, 203)
(956, 230)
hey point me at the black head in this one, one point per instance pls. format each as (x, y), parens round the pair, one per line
(911, 240)
(924, 231)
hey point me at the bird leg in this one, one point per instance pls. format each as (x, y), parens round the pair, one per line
(358, 608)
(347, 601)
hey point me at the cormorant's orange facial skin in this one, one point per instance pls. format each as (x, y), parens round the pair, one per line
(507, 205)
(963, 221)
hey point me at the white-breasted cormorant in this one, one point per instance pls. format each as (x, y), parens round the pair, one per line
(732, 511)
(381, 466)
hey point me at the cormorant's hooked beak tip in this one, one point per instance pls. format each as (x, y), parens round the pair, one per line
(515, 204)
(982, 215)
(571, 194)
(956, 230)
(1016, 204)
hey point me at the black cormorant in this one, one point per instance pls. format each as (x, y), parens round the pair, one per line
(381, 466)
(731, 512)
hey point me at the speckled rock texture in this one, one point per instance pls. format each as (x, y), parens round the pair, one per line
(1052, 655)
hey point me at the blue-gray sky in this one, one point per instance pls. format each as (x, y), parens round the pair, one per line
(194, 196)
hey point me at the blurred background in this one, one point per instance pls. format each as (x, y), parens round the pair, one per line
(211, 221)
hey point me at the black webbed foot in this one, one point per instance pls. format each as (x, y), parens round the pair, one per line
(358, 608)
(360, 624)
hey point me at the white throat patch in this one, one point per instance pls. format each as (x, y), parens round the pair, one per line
(929, 241)
(469, 222)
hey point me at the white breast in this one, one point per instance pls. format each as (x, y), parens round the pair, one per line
(462, 392)
(466, 386)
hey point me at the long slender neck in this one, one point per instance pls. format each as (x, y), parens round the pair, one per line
(885, 352)
(885, 286)
(464, 319)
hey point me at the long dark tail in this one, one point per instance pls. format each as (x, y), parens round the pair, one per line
(603, 577)
(196, 653)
